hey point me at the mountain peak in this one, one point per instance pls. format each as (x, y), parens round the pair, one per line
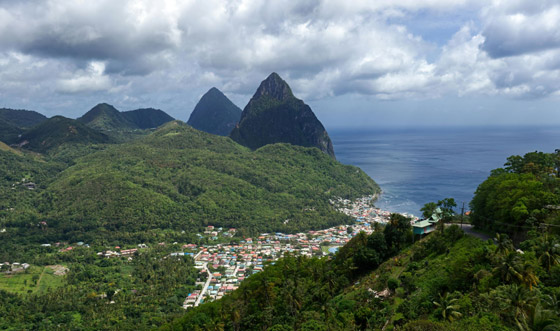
(214, 113)
(104, 106)
(274, 86)
(105, 117)
(275, 115)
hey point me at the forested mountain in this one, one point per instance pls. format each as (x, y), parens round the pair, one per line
(147, 118)
(21, 118)
(215, 113)
(163, 187)
(181, 178)
(274, 115)
(105, 117)
(8, 132)
(59, 130)
(14, 122)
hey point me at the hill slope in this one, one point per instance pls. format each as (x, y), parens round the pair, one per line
(13, 122)
(8, 132)
(274, 115)
(59, 130)
(444, 282)
(147, 118)
(105, 117)
(21, 118)
(215, 113)
(181, 178)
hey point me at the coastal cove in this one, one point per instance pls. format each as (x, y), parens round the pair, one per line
(414, 166)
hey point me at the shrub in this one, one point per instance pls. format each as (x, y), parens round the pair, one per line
(392, 283)
(423, 325)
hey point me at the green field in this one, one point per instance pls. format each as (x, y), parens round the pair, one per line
(34, 280)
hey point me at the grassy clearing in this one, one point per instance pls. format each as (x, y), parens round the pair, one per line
(34, 280)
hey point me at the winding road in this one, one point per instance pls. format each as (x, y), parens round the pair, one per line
(469, 229)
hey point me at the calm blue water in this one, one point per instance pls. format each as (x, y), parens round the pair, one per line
(416, 166)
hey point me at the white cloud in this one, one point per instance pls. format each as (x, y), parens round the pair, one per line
(91, 79)
(150, 51)
(518, 27)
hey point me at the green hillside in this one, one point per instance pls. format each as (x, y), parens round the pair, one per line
(445, 282)
(105, 117)
(8, 132)
(181, 178)
(21, 118)
(147, 118)
(18, 204)
(58, 131)
(522, 194)
(6, 148)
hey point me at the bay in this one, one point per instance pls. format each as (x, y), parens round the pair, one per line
(414, 166)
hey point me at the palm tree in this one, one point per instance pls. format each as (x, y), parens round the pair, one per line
(543, 320)
(548, 252)
(521, 300)
(527, 276)
(504, 245)
(507, 267)
(449, 310)
(215, 325)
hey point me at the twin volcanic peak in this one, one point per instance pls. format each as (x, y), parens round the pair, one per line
(215, 113)
(275, 115)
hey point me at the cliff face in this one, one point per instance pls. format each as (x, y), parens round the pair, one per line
(275, 115)
(215, 113)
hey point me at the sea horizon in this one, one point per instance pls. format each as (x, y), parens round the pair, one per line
(417, 165)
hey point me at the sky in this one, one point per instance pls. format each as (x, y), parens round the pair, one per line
(357, 63)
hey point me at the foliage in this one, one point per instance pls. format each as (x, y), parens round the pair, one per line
(520, 196)
(297, 292)
(451, 282)
(101, 294)
(57, 131)
(167, 186)
(105, 117)
(21, 118)
(183, 179)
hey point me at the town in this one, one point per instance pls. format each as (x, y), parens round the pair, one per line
(225, 266)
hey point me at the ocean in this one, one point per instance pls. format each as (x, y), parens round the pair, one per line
(420, 165)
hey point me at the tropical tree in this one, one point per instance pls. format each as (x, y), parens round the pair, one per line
(541, 319)
(548, 252)
(429, 209)
(552, 302)
(518, 302)
(504, 245)
(448, 307)
(526, 275)
(507, 267)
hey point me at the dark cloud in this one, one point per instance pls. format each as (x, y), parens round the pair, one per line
(100, 30)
